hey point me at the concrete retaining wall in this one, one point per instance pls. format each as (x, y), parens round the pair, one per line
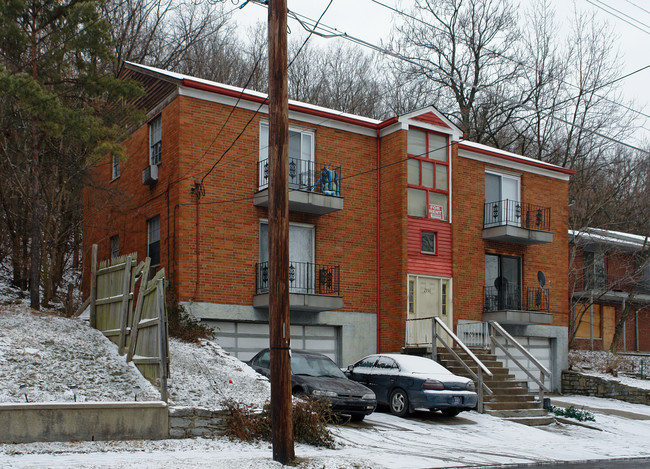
(577, 383)
(29, 422)
(187, 422)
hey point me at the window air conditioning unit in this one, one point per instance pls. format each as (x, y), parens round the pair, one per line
(150, 175)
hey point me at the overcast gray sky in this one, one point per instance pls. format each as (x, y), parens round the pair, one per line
(371, 22)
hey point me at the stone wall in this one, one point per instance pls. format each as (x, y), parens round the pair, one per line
(577, 383)
(188, 422)
(85, 421)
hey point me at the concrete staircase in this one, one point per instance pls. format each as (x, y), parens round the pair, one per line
(511, 399)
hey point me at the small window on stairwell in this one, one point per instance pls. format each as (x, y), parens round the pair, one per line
(115, 173)
(155, 141)
(428, 243)
(153, 235)
(115, 246)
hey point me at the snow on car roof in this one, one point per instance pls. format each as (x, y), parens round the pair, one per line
(414, 364)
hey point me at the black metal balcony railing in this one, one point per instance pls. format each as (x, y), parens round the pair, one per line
(304, 277)
(305, 175)
(613, 283)
(514, 213)
(515, 298)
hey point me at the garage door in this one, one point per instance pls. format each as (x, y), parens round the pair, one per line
(539, 347)
(244, 339)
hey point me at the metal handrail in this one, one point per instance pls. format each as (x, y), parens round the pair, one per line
(481, 368)
(543, 371)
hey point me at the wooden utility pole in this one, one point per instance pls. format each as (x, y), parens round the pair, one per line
(281, 418)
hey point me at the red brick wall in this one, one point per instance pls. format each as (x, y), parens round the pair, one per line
(222, 270)
(123, 206)
(393, 249)
(618, 265)
(469, 249)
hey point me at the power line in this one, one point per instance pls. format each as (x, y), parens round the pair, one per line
(621, 16)
(333, 32)
(517, 62)
(638, 6)
(261, 104)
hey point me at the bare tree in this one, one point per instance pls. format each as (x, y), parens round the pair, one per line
(161, 33)
(460, 46)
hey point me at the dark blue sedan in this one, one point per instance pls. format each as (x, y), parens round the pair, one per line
(406, 383)
(314, 374)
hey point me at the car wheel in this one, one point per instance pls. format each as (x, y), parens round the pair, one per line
(399, 403)
(450, 412)
(356, 417)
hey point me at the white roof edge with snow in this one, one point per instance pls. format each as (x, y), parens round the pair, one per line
(496, 151)
(257, 94)
(599, 235)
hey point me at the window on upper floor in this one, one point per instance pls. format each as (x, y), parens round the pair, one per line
(115, 246)
(115, 173)
(502, 199)
(155, 140)
(428, 175)
(153, 240)
(301, 157)
(428, 242)
(301, 143)
(595, 270)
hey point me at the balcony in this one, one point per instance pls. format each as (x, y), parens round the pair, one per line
(511, 221)
(312, 287)
(612, 287)
(313, 187)
(512, 304)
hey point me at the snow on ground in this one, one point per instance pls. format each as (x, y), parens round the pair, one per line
(204, 375)
(381, 441)
(49, 354)
(606, 365)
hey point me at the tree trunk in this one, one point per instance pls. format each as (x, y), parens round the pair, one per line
(35, 260)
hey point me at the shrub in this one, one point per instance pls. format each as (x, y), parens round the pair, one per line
(310, 420)
(184, 326)
(571, 412)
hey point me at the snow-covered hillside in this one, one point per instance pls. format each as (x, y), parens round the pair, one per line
(50, 355)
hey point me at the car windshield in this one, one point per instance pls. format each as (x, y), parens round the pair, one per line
(312, 365)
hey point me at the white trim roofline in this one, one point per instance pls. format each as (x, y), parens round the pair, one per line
(600, 236)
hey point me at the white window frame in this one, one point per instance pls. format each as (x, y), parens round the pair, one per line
(115, 170)
(264, 149)
(153, 236)
(155, 140)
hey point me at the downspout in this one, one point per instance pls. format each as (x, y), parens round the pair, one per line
(378, 276)
(636, 329)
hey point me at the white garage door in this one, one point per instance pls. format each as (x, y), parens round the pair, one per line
(539, 347)
(244, 339)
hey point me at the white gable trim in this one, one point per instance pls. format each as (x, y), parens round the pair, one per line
(513, 165)
(264, 111)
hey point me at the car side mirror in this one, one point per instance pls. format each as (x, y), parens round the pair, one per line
(350, 368)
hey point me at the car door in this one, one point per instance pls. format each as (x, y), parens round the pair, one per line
(360, 371)
(383, 377)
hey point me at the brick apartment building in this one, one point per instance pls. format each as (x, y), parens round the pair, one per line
(391, 222)
(605, 266)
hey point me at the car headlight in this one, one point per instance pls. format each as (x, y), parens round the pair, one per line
(470, 386)
(321, 393)
(370, 396)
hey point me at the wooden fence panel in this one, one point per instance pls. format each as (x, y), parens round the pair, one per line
(144, 333)
(114, 295)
